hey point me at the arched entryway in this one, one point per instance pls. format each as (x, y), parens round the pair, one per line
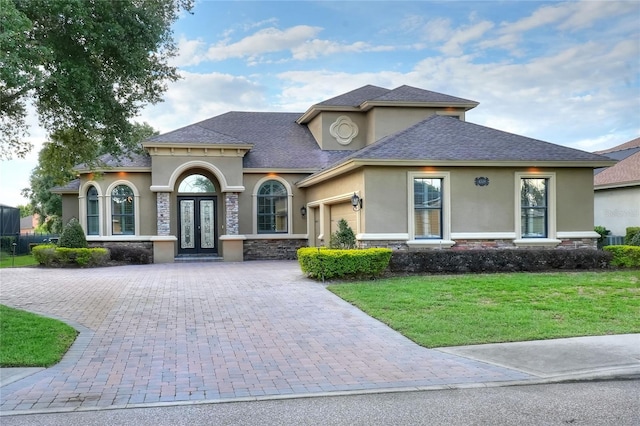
(197, 216)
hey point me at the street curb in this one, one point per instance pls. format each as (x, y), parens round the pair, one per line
(604, 375)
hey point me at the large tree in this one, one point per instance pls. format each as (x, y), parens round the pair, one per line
(90, 65)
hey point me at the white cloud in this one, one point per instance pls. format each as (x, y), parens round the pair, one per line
(454, 45)
(265, 41)
(197, 97)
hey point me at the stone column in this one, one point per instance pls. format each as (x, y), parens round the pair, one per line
(163, 204)
(232, 242)
(231, 204)
(163, 241)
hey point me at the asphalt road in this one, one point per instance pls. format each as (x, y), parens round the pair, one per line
(584, 403)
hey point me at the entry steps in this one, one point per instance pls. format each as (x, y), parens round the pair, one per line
(197, 258)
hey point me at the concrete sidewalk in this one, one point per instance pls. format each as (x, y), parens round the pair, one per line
(193, 333)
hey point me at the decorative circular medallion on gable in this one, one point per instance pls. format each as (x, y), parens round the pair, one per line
(344, 130)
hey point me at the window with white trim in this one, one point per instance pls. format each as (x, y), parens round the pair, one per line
(427, 208)
(535, 196)
(93, 211)
(272, 203)
(534, 214)
(122, 211)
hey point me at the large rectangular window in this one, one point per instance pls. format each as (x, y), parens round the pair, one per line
(534, 208)
(427, 208)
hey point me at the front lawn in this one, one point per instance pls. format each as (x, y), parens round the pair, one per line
(7, 260)
(29, 340)
(437, 311)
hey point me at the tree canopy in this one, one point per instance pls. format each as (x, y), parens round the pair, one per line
(89, 65)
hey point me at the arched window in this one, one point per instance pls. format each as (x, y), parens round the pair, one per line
(196, 184)
(122, 211)
(93, 212)
(272, 208)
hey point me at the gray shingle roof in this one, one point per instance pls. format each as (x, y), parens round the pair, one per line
(278, 141)
(356, 97)
(126, 160)
(195, 133)
(400, 94)
(414, 94)
(442, 138)
(71, 186)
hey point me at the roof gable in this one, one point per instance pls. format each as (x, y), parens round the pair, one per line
(415, 95)
(356, 97)
(626, 172)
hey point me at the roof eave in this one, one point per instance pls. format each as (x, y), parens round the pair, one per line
(312, 112)
(367, 105)
(107, 169)
(615, 185)
(155, 144)
(352, 164)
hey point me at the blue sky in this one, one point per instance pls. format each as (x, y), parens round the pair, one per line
(564, 72)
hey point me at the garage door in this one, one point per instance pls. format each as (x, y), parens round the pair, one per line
(343, 211)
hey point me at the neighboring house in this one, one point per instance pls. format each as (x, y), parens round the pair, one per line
(617, 189)
(402, 166)
(29, 224)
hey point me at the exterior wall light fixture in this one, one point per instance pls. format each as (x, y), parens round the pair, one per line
(356, 202)
(303, 211)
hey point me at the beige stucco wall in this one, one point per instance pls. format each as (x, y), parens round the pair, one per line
(383, 121)
(164, 166)
(474, 209)
(618, 208)
(70, 207)
(574, 198)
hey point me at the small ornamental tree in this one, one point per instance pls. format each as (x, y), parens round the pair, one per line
(73, 235)
(343, 238)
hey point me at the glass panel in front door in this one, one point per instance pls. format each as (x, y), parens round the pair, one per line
(187, 234)
(207, 214)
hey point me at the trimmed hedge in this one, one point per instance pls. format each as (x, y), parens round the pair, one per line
(323, 263)
(632, 231)
(625, 256)
(449, 261)
(130, 255)
(52, 255)
(73, 235)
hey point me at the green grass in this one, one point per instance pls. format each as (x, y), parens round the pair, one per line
(437, 311)
(7, 261)
(29, 340)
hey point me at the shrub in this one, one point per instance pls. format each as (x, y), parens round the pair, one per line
(625, 256)
(131, 255)
(6, 244)
(632, 231)
(73, 235)
(343, 238)
(52, 255)
(635, 240)
(330, 263)
(603, 233)
(448, 261)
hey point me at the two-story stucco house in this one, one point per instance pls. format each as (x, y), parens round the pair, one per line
(402, 166)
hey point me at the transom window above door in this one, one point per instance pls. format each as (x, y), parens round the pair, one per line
(196, 184)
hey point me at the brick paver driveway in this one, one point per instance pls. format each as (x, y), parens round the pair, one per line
(211, 331)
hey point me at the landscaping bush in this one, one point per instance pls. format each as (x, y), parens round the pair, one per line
(130, 255)
(73, 235)
(635, 240)
(603, 234)
(448, 261)
(632, 231)
(52, 255)
(330, 263)
(6, 244)
(343, 238)
(625, 256)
